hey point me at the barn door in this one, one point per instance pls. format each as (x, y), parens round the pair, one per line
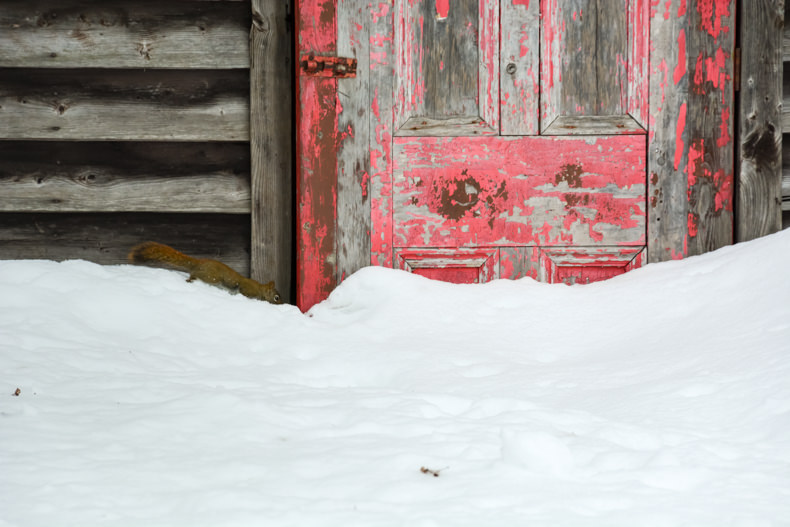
(468, 140)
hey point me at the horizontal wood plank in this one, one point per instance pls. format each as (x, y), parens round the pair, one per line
(107, 238)
(132, 105)
(129, 34)
(109, 176)
(505, 191)
(451, 126)
(594, 125)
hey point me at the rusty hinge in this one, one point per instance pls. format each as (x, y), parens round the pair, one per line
(341, 67)
(737, 68)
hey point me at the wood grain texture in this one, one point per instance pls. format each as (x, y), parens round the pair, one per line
(383, 64)
(594, 125)
(447, 65)
(316, 158)
(593, 60)
(151, 105)
(447, 57)
(690, 164)
(519, 68)
(759, 196)
(106, 238)
(353, 156)
(498, 191)
(271, 144)
(786, 176)
(107, 176)
(129, 34)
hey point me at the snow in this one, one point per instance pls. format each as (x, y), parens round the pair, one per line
(658, 398)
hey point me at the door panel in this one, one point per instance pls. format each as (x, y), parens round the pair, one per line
(459, 266)
(466, 192)
(592, 66)
(447, 67)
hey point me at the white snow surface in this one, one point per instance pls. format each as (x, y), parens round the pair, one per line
(657, 398)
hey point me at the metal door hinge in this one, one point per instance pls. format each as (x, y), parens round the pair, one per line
(340, 67)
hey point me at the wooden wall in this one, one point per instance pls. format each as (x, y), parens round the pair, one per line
(758, 206)
(785, 92)
(129, 120)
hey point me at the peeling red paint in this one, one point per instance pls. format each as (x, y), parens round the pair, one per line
(505, 191)
(442, 9)
(679, 130)
(586, 265)
(711, 14)
(680, 68)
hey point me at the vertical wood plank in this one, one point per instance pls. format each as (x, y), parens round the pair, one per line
(316, 180)
(519, 67)
(690, 154)
(449, 52)
(270, 144)
(353, 161)
(550, 63)
(639, 61)
(611, 57)
(759, 196)
(577, 30)
(489, 32)
(382, 69)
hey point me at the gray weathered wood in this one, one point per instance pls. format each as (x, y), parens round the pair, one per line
(382, 124)
(92, 177)
(158, 105)
(353, 155)
(106, 238)
(451, 126)
(447, 63)
(449, 55)
(271, 145)
(786, 175)
(759, 189)
(690, 154)
(576, 29)
(584, 60)
(610, 57)
(129, 34)
(593, 125)
(519, 67)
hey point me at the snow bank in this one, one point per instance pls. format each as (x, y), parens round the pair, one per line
(658, 398)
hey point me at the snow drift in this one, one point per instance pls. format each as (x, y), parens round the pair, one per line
(658, 398)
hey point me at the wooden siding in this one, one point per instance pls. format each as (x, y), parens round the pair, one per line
(107, 237)
(124, 34)
(131, 120)
(55, 176)
(785, 97)
(759, 190)
(124, 105)
(271, 129)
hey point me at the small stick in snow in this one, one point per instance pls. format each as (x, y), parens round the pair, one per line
(434, 473)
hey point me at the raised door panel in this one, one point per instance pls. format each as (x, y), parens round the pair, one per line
(508, 191)
(593, 64)
(447, 67)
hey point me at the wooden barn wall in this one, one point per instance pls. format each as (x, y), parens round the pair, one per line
(130, 120)
(784, 93)
(759, 190)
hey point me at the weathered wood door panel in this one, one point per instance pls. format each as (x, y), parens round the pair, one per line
(478, 139)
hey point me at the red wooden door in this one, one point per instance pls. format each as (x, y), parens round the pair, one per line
(477, 139)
